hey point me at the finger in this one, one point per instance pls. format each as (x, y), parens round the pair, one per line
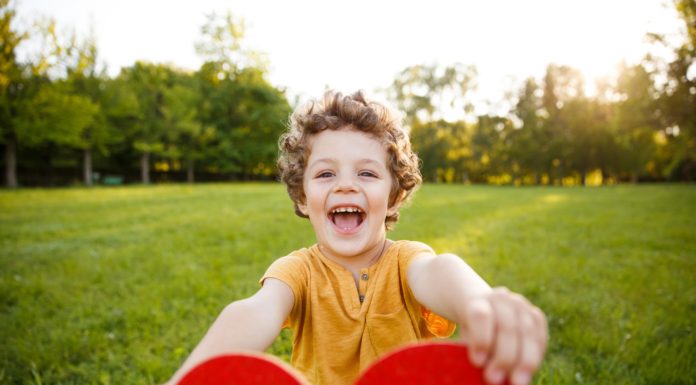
(506, 342)
(480, 330)
(529, 357)
(541, 326)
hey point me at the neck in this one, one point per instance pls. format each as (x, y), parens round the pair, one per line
(357, 262)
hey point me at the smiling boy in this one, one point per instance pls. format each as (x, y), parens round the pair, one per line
(355, 294)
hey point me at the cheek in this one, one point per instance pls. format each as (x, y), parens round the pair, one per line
(313, 196)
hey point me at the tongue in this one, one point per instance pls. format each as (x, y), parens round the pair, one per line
(347, 221)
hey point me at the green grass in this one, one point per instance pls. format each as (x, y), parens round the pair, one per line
(116, 285)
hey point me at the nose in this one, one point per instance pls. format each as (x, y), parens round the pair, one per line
(345, 183)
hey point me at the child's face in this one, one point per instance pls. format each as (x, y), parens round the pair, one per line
(347, 185)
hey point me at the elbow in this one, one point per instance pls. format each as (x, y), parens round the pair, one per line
(247, 324)
(243, 311)
(447, 263)
(236, 307)
(452, 272)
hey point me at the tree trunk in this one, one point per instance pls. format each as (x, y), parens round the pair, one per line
(11, 162)
(145, 168)
(48, 157)
(537, 178)
(87, 167)
(634, 177)
(560, 174)
(583, 178)
(189, 170)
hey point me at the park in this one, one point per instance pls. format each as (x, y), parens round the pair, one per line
(136, 206)
(116, 285)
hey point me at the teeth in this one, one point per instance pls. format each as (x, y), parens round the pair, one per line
(346, 210)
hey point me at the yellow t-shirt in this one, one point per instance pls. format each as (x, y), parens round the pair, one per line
(335, 334)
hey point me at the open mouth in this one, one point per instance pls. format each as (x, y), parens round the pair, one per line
(347, 219)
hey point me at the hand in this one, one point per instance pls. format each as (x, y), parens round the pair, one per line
(506, 334)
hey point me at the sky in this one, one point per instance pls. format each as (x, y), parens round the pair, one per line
(363, 44)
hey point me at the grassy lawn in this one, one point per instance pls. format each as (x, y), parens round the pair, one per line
(116, 285)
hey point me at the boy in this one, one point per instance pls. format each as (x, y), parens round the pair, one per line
(355, 294)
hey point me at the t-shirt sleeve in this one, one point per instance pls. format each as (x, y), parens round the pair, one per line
(292, 271)
(432, 323)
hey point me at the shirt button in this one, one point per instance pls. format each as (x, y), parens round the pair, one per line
(362, 298)
(365, 277)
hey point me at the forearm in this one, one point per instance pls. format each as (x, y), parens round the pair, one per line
(239, 327)
(443, 283)
(505, 333)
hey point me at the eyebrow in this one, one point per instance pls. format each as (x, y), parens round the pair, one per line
(333, 160)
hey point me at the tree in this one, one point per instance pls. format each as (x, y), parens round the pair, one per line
(564, 108)
(86, 80)
(430, 92)
(529, 145)
(39, 109)
(148, 83)
(488, 147)
(11, 83)
(55, 118)
(246, 113)
(635, 120)
(442, 147)
(678, 100)
(222, 41)
(186, 135)
(435, 100)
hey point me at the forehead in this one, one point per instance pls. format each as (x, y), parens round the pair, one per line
(346, 144)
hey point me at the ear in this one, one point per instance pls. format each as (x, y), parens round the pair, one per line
(303, 208)
(394, 208)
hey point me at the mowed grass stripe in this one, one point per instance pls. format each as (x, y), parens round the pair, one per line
(116, 285)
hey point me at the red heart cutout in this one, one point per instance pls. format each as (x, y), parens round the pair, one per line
(423, 364)
(242, 369)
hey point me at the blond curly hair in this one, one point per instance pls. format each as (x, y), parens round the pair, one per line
(335, 112)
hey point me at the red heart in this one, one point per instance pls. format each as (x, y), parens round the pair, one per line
(423, 364)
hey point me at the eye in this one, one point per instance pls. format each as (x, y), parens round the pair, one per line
(325, 174)
(367, 173)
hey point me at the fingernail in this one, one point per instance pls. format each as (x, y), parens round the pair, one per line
(495, 376)
(479, 358)
(521, 378)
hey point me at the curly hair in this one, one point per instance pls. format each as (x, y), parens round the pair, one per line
(338, 111)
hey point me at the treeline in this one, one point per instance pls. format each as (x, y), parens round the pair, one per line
(639, 126)
(62, 120)
(632, 130)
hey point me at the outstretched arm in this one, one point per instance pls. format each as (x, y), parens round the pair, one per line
(249, 324)
(505, 333)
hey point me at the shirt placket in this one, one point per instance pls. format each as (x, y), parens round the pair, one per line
(362, 285)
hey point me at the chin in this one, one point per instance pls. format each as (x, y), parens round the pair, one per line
(355, 244)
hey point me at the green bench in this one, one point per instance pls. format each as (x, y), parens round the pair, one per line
(112, 180)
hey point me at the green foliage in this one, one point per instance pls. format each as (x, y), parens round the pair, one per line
(635, 120)
(55, 117)
(117, 285)
(428, 92)
(11, 84)
(554, 134)
(9, 70)
(224, 119)
(442, 148)
(530, 146)
(247, 114)
(148, 82)
(222, 41)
